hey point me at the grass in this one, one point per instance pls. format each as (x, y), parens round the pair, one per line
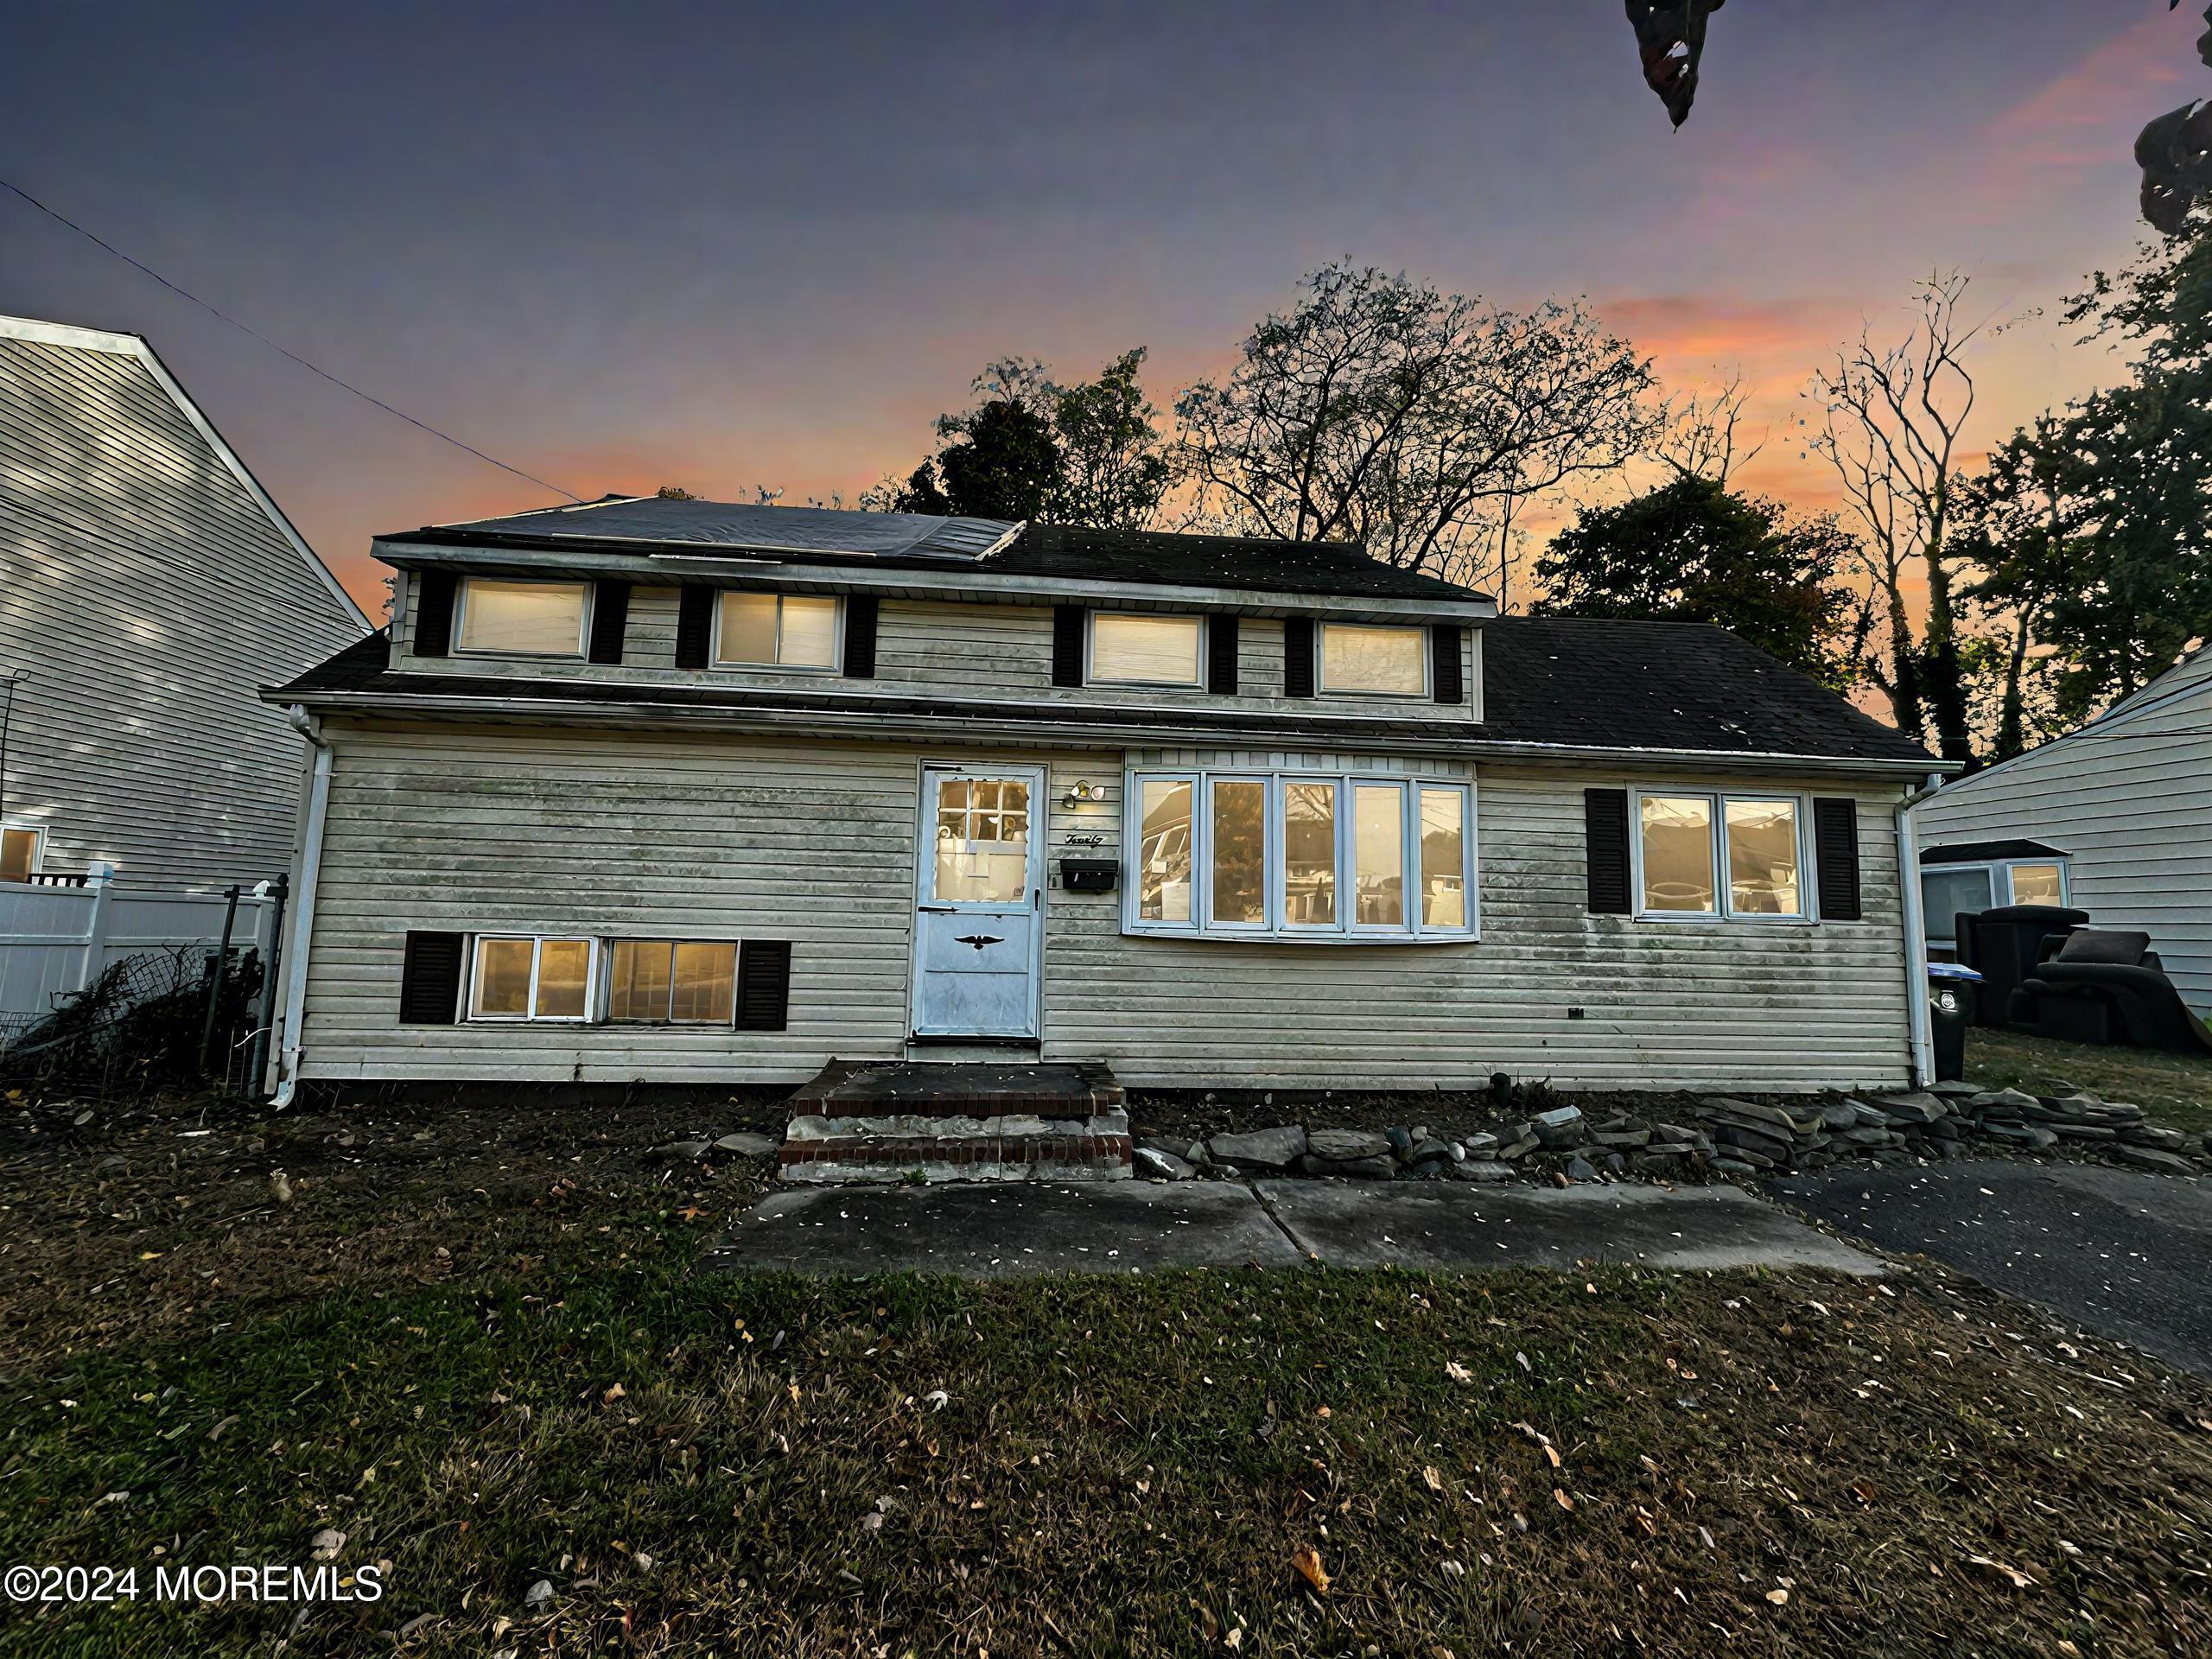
(489, 1364)
(2176, 1088)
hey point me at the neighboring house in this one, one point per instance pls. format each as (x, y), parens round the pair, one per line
(148, 588)
(679, 792)
(2115, 819)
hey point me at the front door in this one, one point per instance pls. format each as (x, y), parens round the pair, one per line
(979, 921)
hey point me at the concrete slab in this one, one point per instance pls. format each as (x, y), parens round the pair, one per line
(1001, 1230)
(1430, 1225)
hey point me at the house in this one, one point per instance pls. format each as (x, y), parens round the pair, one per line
(148, 588)
(2115, 818)
(687, 792)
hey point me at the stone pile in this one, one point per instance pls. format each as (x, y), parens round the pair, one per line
(1718, 1135)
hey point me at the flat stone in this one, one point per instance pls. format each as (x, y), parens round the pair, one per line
(1438, 1152)
(1733, 1166)
(1161, 1165)
(1478, 1169)
(1580, 1168)
(1275, 1148)
(1560, 1127)
(1925, 1108)
(1483, 1144)
(2087, 1131)
(2004, 1097)
(1519, 1148)
(1951, 1088)
(690, 1151)
(1380, 1167)
(1751, 1111)
(1630, 1139)
(747, 1143)
(1347, 1143)
(2147, 1134)
(2074, 1105)
(2151, 1158)
(1839, 1114)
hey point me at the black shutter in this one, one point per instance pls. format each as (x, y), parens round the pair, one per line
(1836, 849)
(695, 626)
(860, 636)
(433, 634)
(610, 616)
(1298, 657)
(429, 979)
(1604, 837)
(1067, 644)
(764, 984)
(1444, 644)
(1221, 656)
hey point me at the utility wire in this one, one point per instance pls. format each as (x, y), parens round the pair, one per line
(110, 247)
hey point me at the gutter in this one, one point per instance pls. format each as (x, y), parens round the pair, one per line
(292, 1007)
(1916, 936)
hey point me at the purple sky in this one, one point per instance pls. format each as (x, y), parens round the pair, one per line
(722, 246)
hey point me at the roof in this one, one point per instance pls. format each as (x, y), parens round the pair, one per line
(1570, 683)
(1989, 852)
(1596, 682)
(135, 345)
(646, 525)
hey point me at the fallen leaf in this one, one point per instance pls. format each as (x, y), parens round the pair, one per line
(2019, 1580)
(1433, 1477)
(1779, 1597)
(614, 1393)
(1307, 1561)
(1458, 1372)
(1565, 1502)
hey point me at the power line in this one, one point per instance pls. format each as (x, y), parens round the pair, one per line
(110, 247)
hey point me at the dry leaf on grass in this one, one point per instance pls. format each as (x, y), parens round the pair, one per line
(1432, 1478)
(2019, 1579)
(1307, 1561)
(1565, 1502)
(1779, 1597)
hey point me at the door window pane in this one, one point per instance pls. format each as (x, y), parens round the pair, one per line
(705, 984)
(1144, 650)
(638, 987)
(748, 628)
(1309, 855)
(1379, 854)
(1392, 661)
(810, 636)
(1763, 879)
(1945, 893)
(18, 848)
(1677, 833)
(544, 618)
(2036, 884)
(1240, 852)
(1164, 852)
(564, 971)
(1443, 858)
(500, 988)
(983, 840)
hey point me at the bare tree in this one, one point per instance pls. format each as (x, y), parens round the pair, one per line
(1888, 424)
(1381, 412)
(1700, 439)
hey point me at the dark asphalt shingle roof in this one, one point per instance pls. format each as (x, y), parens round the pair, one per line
(1572, 683)
(916, 542)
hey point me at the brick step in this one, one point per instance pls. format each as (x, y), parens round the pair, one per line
(1013, 1146)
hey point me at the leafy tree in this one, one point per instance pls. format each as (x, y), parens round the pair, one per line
(1692, 551)
(1379, 412)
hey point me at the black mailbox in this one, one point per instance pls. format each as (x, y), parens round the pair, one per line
(1089, 874)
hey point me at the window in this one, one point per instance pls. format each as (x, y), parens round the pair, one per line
(523, 619)
(983, 840)
(672, 981)
(1947, 889)
(18, 855)
(1721, 856)
(1296, 856)
(527, 977)
(1374, 662)
(777, 631)
(1132, 650)
(2038, 884)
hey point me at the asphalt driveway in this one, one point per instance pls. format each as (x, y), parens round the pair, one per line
(2124, 1254)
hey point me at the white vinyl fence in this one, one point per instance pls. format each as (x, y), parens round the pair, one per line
(55, 940)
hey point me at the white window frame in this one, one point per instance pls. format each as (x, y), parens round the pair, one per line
(1427, 691)
(583, 615)
(1723, 909)
(38, 843)
(1276, 926)
(1999, 872)
(1198, 683)
(604, 981)
(836, 666)
(531, 1016)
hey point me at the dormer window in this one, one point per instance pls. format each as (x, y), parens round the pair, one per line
(1360, 660)
(1131, 648)
(523, 619)
(775, 631)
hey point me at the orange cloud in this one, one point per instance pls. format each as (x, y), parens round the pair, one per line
(2086, 116)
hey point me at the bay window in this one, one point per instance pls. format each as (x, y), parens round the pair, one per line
(531, 977)
(775, 631)
(1719, 856)
(523, 619)
(1128, 648)
(1288, 856)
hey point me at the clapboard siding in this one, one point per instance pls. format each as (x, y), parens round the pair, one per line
(2130, 797)
(813, 840)
(977, 650)
(148, 596)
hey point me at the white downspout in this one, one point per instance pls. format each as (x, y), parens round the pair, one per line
(1916, 937)
(294, 1003)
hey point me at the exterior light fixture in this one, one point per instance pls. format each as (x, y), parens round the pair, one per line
(1081, 792)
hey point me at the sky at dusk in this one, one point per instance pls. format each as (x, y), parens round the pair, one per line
(722, 246)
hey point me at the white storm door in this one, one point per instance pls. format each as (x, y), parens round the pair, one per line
(979, 919)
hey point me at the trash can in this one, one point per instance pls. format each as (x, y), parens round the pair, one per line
(1951, 990)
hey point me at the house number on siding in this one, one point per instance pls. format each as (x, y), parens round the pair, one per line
(1076, 839)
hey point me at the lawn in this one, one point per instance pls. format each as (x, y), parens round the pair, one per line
(2176, 1088)
(480, 1351)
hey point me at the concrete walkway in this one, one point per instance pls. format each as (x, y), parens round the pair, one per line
(989, 1231)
